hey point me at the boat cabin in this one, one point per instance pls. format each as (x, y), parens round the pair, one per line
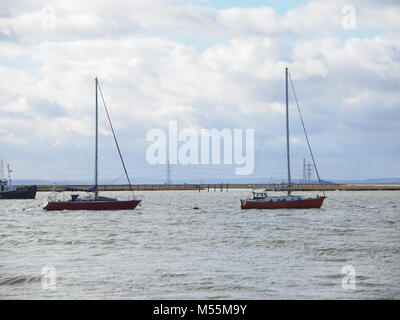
(5, 186)
(260, 194)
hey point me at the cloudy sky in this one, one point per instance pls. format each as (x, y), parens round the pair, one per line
(206, 64)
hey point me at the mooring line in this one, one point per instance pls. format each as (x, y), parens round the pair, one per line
(349, 204)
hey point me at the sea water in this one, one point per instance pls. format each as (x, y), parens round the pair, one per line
(168, 249)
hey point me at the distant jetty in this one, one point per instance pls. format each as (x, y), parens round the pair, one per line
(225, 187)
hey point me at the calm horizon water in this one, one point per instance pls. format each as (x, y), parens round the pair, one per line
(168, 250)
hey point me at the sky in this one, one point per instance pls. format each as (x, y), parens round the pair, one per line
(205, 64)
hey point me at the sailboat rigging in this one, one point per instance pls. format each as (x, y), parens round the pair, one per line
(94, 201)
(261, 199)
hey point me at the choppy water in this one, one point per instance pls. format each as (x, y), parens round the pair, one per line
(168, 250)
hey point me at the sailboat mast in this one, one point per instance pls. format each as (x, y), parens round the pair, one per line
(1, 169)
(9, 174)
(96, 144)
(287, 133)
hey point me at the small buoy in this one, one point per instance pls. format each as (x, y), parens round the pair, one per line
(196, 208)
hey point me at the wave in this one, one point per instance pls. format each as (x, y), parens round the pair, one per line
(20, 280)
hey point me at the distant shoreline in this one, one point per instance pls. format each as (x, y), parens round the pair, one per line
(225, 187)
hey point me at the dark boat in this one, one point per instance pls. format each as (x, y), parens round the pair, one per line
(93, 201)
(8, 191)
(261, 199)
(27, 192)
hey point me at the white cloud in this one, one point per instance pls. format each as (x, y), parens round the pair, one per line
(249, 20)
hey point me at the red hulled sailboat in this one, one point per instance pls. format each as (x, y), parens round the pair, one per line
(93, 201)
(261, 199)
